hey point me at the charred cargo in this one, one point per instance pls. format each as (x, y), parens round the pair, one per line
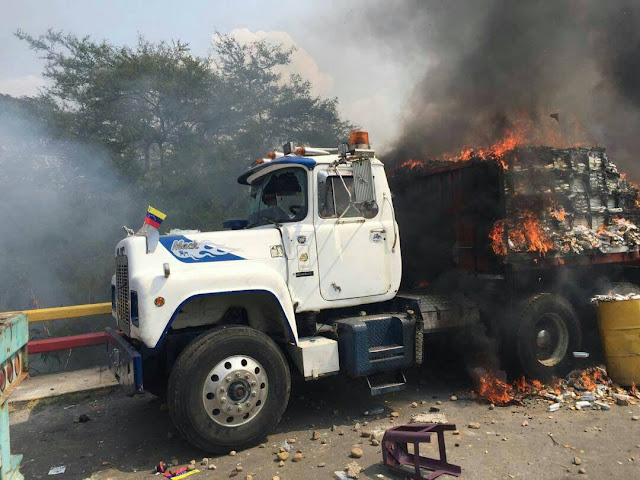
(530, 236)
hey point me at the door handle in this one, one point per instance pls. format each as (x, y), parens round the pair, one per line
(379, 230)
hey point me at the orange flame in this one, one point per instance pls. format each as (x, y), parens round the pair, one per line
(526, 236)
(495, 390)
(497, 238)
(411, 163)
(559, 214)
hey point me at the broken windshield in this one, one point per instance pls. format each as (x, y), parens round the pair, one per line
(279, 196)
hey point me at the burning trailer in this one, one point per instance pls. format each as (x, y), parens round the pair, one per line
(530, 234)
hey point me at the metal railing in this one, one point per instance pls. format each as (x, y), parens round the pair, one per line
(65, 313)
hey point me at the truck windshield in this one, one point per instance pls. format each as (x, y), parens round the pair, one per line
(279, 196)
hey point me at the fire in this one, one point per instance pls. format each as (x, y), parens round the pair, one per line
(534, 234)
(526, 236)
(498, 392)
(495, 152)
(411, 163)
(523, 129)
(495, 390)
(590, 382)
(497, 238)
(559, 214)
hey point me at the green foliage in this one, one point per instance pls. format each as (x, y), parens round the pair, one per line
(179, 127)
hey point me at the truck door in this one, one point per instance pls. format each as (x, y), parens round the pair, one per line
(353, 246)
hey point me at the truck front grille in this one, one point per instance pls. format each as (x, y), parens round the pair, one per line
(122, 293)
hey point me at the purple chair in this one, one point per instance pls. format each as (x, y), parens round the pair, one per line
(397, 457)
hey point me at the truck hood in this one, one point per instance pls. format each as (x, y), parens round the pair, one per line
(223, 246)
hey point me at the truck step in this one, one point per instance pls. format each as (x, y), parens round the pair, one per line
(386, 382)
(385, 351)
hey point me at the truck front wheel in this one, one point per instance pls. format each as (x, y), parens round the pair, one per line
(547, 335)
(228, 388)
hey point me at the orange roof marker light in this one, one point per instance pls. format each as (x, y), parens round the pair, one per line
(359, 139)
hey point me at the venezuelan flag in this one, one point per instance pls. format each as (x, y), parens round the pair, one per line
(154, 217)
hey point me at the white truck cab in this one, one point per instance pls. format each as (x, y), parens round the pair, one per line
(224, 313)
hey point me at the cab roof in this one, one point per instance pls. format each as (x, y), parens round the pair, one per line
(308, 162)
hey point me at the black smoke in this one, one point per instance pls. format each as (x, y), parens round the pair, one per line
(496, 65)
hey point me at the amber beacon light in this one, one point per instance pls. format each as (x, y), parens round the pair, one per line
(359, 139)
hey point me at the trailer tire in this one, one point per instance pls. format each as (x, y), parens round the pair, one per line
(233, 367)
(547, 335)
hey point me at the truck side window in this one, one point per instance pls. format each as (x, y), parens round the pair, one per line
(333, 199)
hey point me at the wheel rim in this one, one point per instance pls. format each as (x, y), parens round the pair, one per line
(235, 391)
(550, 339)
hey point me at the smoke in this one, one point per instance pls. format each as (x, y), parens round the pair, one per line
(61, 214)
(494, 66)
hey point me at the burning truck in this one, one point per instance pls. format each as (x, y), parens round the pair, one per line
(530, 234)
(309, 284)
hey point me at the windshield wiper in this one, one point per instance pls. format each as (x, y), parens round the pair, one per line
(269, 220)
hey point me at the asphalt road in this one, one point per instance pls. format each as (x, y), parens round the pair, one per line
(126, 436)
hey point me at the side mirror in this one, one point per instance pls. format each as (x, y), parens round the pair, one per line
(363, 188)
(235, 224)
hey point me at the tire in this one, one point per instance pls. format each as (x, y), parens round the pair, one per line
(548, 333)
(238, 360)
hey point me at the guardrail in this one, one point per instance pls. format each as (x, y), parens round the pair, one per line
(65, 313)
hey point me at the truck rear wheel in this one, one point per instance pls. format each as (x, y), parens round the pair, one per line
(228, 389)
(547, 335)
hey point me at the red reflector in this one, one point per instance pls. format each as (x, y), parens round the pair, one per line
(159, 301)
(271, 155)
(301, 151)
(16, 365)
(359, 138)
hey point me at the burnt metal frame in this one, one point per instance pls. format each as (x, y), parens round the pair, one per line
(396, 456)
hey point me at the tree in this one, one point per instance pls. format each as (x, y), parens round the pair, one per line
(182, 127)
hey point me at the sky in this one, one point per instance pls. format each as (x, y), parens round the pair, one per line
(337, 49)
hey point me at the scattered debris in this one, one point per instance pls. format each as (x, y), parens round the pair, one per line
(428, 418)
(356, 452)
(297, 456)
(353, 470)
(577, 461)
(375, 411)
(285, 447)
(232, 453)
(453, 398)
(57, 470)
